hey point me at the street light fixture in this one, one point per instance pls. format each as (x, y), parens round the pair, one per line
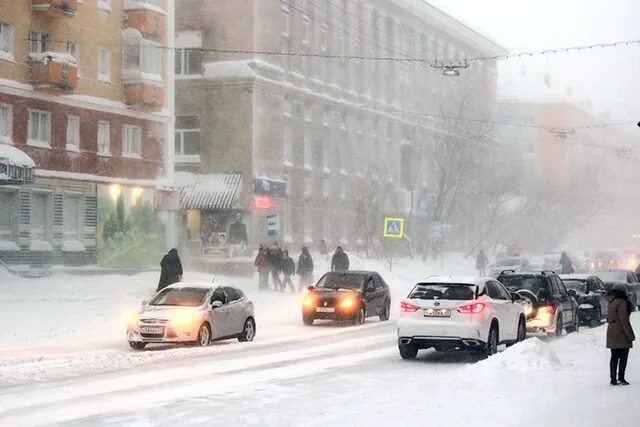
(450, 70)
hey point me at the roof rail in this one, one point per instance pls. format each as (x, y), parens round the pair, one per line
(507, 271)
(545, 272)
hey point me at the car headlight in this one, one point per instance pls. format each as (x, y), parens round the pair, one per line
(347, 303)
(308, 301)
(186, 319)
(131, 318)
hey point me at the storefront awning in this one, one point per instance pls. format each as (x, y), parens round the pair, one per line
(16, 167)
(212, 191)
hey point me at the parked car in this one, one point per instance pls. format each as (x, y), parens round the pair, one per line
(455, 313)
(509, 263)
(613, 276)
(590, 292)
(548, 306)
(192, 313)
(347, 295)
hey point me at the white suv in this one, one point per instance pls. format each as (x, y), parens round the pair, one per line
(450, 313)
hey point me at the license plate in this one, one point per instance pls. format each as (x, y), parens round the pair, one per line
(325, 309)
(150, 329)
(437, 312)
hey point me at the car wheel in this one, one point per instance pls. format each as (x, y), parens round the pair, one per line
(491, 347)
(386, 310)
(360, 316)
(558, 329)
(522, 330)
(137, 345)
(249, 331)
(308, 320)
(408, 351)
(204, 335)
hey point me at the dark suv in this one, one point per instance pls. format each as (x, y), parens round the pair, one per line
(347, 295)
(547, 304)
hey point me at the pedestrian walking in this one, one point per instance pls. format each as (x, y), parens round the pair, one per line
(275, 264)
(620, 334)
(262, 265)
(481, 263)
(305, 269)
(566, 264)
(340, 260)
(170, 270)
(288, 270)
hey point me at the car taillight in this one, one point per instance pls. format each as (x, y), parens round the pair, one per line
(405, 307)
(550, 309)
(251, 303)
(472, 308)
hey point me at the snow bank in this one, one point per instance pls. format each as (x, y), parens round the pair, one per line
(531, 354)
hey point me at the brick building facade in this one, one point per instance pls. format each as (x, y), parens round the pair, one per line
(71, 75)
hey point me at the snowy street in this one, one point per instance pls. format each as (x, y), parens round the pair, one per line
(73, 366)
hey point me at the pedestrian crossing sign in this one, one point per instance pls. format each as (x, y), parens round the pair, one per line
(394, 228)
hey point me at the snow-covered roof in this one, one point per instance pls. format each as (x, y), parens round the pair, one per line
(465, 280)
(213, 191)
(61, 57)
(14, 156)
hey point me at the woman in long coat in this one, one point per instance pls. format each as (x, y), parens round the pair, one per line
(171, 270)
(620, 334)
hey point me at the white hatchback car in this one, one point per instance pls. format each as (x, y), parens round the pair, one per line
(192, 313)
(451, 313)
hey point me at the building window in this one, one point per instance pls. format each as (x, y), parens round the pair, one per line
(104, 138)
(6, 41)
(73, 214)
(286, 23)
(39, 41)
(189, 61)
(6, 123)
(73, 133)
(40, 217)
(144, 57)
(187, 141)
(326, 227)
(305, 30)
(325, 188)
(287, 146)
(131, 141)
(8, 215)
(39, 128)
(73, 49)
(104, 65)
(308, 224)
(323, 39)
(307, 187)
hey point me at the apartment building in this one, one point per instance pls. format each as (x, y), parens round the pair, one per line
(86, 93)
(259, 93)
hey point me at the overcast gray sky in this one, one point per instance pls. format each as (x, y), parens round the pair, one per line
(610, 78)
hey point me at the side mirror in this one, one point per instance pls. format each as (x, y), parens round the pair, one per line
(310, 288)
(216, 304)
(144, 302)
(515, 297)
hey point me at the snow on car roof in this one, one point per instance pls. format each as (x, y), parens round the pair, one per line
(576, 276)
(466, 280)
(198, 285)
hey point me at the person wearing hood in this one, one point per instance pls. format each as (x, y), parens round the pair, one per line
(288, 270)
(481, 263)
(262, 265)
(620, 334)
(170, 270)
(566, 264)
(305, 269)
(340, 260)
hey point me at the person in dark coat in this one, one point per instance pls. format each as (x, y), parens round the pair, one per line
(481, 263)
(566, 264)
(238, 232)
(262, 265)
(171, 270)
(275, 264)
(288, 270)
(620, 334)
(305, 269)
(340, 260)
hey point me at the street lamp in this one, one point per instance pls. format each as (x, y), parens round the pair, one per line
(450, 70)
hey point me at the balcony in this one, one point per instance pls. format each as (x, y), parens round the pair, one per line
(150, 20)
(55, 8)
(53, 72)
(144, 96)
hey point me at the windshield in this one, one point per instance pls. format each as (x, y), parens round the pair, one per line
(184, 297)
(533, 284)
(612, 276)
(577, 285)
(343, 281)
(509, 261)
(444, 291)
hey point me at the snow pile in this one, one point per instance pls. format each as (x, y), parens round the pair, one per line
(40, 246)
(8, 246)
(531, 354)
(61, 57)
(15, 157)
(228, 69)
(73, 246)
